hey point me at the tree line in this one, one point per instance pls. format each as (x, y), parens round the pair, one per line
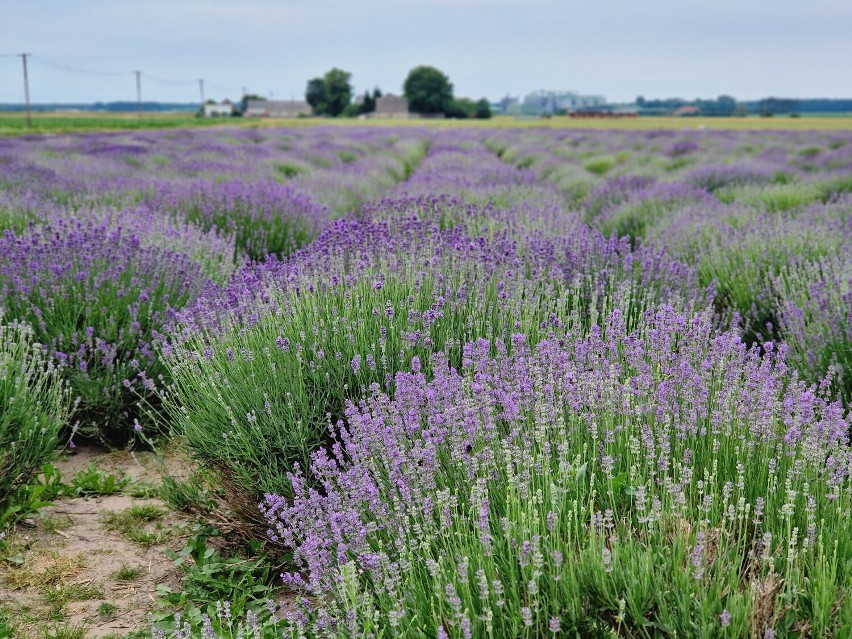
(726, 105)
(427, 89)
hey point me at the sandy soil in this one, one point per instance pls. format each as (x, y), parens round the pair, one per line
(68, 544)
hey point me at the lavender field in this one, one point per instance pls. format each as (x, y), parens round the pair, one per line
(473, 382)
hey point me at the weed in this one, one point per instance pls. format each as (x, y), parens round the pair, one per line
(7, 626)
(599, 165)
(65, 631)
(211, 577)
(288, 170)
(142, 490)
(138, 513)
(186, 496)
(91, 481)
(51, 524)
(106, 611)
(347, 157)
(132, 524)
(127, 573)
(59, 596)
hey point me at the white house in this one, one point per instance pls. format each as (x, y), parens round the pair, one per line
(223, 109)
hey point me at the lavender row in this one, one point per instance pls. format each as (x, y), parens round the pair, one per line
(289, 341)
(527, 491)
(273, 190)
(764, 217)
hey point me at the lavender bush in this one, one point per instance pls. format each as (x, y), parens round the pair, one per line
(96, 291)
(287, 343)
(33, 408)
(815, 299)
(551, 489)
(266, 218)
(645, 207)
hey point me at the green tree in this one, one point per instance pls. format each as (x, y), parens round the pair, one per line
(370, 100)
(316, 95)
(338, 90)
(330, 94)
(461, 108)
(727, 105)
(428, 90)
(483, 109)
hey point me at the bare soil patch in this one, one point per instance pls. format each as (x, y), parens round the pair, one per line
(71, 567)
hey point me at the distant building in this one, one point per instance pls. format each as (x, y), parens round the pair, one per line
(390, 106)
(278, 109)
(506, 106)
(686, 109)
(551, 102)
(223, 109)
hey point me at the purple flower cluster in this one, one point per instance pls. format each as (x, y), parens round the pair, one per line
(459, 454)
(266, 218)
(714, 178)
(97, 290)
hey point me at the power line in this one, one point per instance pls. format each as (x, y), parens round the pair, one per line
(68, 68)
(72, 69)
(154, 78)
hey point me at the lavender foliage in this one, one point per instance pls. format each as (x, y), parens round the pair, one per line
(97, 290)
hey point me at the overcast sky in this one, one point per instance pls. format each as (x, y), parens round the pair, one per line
(619, 48)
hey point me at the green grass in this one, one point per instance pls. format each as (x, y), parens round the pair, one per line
(128, 573)
(65, 631)
(16, 123)
(139, 524)
(58, 597)
(107, 611)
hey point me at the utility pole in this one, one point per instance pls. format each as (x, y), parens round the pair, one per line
(201, 89)
(26, 89)
(138, 93)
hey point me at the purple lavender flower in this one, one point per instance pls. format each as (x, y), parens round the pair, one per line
(725, 618)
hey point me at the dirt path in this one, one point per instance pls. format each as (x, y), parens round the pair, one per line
(93, 563)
